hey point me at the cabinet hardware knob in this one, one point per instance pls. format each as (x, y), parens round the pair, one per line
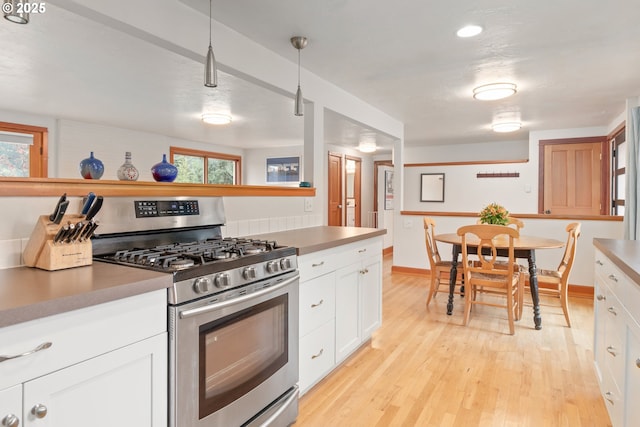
(609, 396)
(317, 265)
(611, 349)
(638, 363)
(613, 277)
(318, 304)
(11, 421)
(362, 250)
(40, 411)
(43, 346)
(599, 262)
(612, 310)
(601, 297)
(315, 356)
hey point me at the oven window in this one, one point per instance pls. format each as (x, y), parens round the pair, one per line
(240, 351)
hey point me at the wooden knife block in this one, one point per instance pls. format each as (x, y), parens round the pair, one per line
(42, 253)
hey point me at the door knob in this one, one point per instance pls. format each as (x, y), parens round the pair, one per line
(339, 206)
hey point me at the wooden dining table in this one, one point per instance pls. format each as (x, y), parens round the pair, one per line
(524, 247)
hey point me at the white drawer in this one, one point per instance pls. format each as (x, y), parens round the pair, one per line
(358, 251)
(613, 400)
(79, 335)
(317, 350)
(317, 302)
(614, 343)
(316, 264)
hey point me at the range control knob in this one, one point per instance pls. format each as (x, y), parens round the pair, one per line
(202, 285)
(249, 273)
(285, 263)
(222, 280)
(272, 267)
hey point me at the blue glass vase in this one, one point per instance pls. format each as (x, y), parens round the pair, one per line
(91, 168)
(164, 171)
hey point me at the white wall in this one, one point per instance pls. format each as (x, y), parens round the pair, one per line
(254, 163)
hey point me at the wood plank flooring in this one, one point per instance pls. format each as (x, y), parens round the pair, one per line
(423, 368)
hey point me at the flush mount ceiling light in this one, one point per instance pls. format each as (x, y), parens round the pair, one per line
(299, 43)
(494, 91)
(367, 146)
(506, 127)
(17, 10)
(469, 31)
(210, 68)
(216, 119)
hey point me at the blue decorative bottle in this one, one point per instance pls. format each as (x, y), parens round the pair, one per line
(91, 168)
(164, 171)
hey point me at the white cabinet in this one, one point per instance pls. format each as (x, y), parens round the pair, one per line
(107, 365)
(340, 305)
(617, 341)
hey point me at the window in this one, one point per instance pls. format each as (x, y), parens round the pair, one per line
(618, 162)
(195, 166)
(23, 151)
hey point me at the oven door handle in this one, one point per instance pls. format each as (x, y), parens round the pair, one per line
(215, 306)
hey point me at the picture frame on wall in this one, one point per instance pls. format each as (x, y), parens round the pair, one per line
(432, 187)
(282, 170)
(388, 190)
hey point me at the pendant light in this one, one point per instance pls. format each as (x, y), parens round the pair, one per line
(210, 69)
(16, 11)
(299, 43)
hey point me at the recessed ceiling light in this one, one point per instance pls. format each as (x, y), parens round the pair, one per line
(469, 31)
(216, 119)
(494, 91)
(506, 127)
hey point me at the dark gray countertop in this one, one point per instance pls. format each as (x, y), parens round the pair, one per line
(314, 239)
(28, 293)
(625, 254)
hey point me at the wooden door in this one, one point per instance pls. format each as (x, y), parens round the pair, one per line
(572, 178)
(335, 190)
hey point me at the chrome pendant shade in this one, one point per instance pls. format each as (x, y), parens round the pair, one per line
(15, 11)
(210, 68)
(299, 43)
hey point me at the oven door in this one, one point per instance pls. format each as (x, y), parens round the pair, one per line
(232, 359)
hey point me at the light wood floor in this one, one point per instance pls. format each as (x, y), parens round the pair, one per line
(422, 368)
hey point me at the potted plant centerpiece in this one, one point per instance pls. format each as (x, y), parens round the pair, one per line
(494, 214)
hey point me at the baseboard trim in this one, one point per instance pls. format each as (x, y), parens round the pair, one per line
(387, 251)
(578, 291)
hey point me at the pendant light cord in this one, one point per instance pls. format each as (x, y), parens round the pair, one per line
(298, 67)
(210, 24)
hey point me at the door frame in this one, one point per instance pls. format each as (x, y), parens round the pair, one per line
(357, 190)
(376, 166)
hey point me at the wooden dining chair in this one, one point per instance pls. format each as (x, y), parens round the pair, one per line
(440, 268)
(485, 276)
(556, 282)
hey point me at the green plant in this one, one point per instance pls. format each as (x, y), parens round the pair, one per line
(494, 214)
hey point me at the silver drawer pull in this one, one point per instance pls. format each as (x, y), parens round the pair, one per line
(11, 420)
(612, 310)
(362, 250)
(613, 277)
(40, 411)
(315, 356)
(43, 346)
(318, 265)
(599, 262)
(609, 396)
(601, 298)
(611, 349)
(318, 304)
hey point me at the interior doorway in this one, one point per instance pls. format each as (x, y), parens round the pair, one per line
(335, 190)
(353, 191)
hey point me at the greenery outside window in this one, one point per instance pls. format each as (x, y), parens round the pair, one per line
(195, 166)
(23, 151)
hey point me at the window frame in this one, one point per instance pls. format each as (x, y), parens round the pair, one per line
(210, 155)
(617, 137)
(38, 151)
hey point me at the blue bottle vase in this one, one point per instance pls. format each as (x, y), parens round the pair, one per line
(91, 168)
(164, 171)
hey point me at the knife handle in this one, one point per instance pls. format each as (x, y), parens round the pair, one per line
(88, 202)
(94, 208)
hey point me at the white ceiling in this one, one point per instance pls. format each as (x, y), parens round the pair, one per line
(574, 61)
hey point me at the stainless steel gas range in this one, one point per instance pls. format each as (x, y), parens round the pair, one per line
(232, 309)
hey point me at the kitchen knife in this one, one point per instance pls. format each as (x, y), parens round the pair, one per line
(95, 207)
(87, 204)
(72, 229)
(62, 208)
(56, 211)
(90, 230)
(60, 235)
(76, 232)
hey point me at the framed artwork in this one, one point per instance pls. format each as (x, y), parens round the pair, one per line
(432, 187)
(283, 170)
(388, 190)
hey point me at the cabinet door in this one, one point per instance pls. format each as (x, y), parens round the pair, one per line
(11, 405)
(370, 297)
(125, 387)
(632, 395)
(347, 307)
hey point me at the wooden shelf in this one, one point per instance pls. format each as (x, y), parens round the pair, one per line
(29, 187)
